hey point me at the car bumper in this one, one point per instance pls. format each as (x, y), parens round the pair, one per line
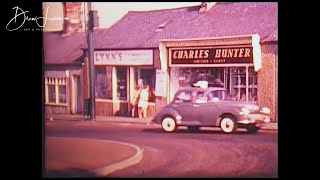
(254, 119)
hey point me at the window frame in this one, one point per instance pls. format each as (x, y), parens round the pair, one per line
(56, 82)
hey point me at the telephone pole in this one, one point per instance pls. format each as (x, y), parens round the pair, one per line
(91, 61)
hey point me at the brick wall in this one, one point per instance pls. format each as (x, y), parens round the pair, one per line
(267, 79)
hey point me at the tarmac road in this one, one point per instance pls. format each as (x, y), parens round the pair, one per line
(209, 153)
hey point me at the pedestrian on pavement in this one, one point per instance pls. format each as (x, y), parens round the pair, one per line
(143, 102)
(135, 100)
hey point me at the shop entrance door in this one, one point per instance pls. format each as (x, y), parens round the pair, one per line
(121, 97)
(76, 105)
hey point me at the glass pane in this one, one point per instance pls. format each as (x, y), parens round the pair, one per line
(62, 94)
(237, 84)
(221, 94)
(201, 97)
(122, 83)
(252, 85)
(52, 93)
(183, 97)
(103, 82)
(189, 76)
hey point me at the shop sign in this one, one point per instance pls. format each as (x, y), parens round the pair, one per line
(215, 55)
(161, 83)
(124, 57)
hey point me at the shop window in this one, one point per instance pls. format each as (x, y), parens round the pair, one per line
(232, 79)
(56, 90)
(122, 83)
(103, 82)
(189, 76)
(237, 84)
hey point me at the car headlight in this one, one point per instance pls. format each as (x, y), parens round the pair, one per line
(244, 111)
(265, 110)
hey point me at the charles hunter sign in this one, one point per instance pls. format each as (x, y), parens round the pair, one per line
(223, 55)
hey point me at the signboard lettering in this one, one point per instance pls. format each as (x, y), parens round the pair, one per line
(125, 57)
(223, 55)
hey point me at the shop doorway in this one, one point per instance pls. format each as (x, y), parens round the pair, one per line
(76, 102)
(120, 99)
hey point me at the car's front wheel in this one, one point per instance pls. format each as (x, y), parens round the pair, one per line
(228, 124)
(168, 124)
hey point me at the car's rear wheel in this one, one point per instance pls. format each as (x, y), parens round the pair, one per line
(168, 124)
(252, 129)
(228, 124)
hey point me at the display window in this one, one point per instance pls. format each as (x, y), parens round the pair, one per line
(103, 82)
(241, 82)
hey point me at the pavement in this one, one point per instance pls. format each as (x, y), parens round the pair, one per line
(272, 126)
(78, 157)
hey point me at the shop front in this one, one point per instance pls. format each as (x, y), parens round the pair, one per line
(117, 72)
(230, 62)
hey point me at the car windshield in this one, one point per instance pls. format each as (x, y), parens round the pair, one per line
(221, 94)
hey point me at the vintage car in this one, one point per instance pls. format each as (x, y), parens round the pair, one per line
(196, 107)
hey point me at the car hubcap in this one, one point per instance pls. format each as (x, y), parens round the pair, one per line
(227, 125)
(168, 124)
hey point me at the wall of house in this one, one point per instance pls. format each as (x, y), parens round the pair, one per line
(59, 70)
(267, 79)
(160, 101)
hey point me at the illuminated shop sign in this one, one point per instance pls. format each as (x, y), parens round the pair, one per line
(125, 57)
(216, 55)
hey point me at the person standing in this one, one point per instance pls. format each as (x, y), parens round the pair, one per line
(143, 102)
(135, 100)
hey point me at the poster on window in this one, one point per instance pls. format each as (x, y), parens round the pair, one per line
(161, 83)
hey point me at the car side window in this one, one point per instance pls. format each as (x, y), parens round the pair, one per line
(184, 96)
(201, 97)
(221, 94)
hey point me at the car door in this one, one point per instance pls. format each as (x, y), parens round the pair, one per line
(205, 108)
(183, 104)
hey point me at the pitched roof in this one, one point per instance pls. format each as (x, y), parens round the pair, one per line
(138, 29)
(63, 49)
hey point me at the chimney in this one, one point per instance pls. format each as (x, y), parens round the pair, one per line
(73, 14)
(206, 6)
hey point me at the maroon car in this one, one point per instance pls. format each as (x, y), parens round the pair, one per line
(210, 107)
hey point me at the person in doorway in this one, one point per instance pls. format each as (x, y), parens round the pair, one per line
(143, 102)
(135, 100)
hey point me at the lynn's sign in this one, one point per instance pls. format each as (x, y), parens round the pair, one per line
(223, 55)
(125, 57)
